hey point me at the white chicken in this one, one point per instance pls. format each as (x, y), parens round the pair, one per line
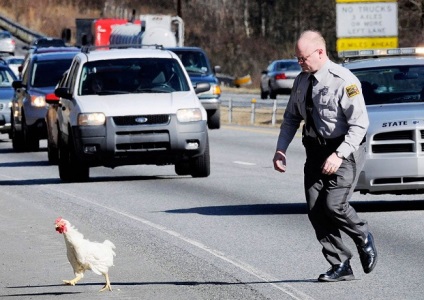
(85, 255)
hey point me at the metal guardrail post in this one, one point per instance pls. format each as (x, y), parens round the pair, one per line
(274, 113)
(252, 116)
(230, 111)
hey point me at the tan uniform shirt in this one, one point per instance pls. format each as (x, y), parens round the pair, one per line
(339, 108)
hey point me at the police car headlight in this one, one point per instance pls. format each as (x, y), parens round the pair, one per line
(38, 101)
(189, 115)
(10, 104)
(91, 119)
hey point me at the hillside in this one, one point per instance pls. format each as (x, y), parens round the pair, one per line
(240, 35)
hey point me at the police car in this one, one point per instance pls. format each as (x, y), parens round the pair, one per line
(393, 86)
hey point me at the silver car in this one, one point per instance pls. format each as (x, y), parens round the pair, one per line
(279, 77)
(7, 43)
(6, 95)
(393, 87)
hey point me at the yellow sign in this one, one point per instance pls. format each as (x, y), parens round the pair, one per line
(366, 43)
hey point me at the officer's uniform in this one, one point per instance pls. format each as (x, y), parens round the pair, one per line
(341, 122)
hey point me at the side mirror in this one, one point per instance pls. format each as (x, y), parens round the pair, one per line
(217, 69)
(17, 84)
(62, 93)
(201, 87)
(264, 72)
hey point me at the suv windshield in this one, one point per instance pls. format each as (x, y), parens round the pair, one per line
(47, 73)
(394, 84)
(132, 75)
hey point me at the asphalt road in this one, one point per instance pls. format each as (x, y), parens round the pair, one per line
(241, 233)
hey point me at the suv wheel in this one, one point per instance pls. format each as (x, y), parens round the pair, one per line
(52, 154)
(264, 94)
(182, 168)
(31, 142)
(17, 139)
(70, 169)
(201, 166)
(214, 119)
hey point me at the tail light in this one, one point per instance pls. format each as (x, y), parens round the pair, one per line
(281, 76)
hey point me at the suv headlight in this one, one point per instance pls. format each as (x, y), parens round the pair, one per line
(189, 115)
(91, 119)
(38, 101)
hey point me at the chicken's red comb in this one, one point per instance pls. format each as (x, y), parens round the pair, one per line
(58, 220)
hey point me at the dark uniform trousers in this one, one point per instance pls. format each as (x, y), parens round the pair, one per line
(328, 197)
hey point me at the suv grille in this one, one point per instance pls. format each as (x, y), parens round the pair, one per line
(405, 141)
(141, 120)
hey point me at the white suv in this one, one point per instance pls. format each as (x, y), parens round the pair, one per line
(393, 86)
(130, 106)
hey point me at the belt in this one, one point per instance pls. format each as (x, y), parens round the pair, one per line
(329, 142)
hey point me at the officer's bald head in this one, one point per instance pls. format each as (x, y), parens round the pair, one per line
(313, 38)
(309, 43)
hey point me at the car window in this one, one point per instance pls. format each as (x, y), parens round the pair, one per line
(395, 84)
(14, 61)
(287, 65)
(5, 35)
(48, 73)
(132, 75)
(6, 77)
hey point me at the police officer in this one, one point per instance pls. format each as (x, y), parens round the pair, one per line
(328, 98)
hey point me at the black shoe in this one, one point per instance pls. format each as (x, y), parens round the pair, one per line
(338, 273)
(368, 254)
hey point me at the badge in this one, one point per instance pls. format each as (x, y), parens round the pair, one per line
(352, 90)
(324, 90)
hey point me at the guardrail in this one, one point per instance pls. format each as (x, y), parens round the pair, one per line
(19, 31)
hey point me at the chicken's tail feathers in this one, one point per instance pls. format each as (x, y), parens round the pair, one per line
(109, 244)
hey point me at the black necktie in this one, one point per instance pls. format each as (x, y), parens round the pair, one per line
(311, 129)
(309, 105)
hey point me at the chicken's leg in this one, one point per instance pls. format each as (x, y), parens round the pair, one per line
(73, 281)
(107, 285)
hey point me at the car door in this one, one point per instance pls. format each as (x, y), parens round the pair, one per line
(20, 95)
(66, 105)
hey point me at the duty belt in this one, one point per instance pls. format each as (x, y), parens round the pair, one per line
(320, 140)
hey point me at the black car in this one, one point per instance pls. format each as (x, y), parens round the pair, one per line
(40, 74)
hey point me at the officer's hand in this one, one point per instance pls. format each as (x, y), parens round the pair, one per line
(279, 161)
(332, 164)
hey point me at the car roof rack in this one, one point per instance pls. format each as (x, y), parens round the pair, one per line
(87, 49)
(42, 50)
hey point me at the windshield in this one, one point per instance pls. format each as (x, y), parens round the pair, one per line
(47, 73)
(193, 61)
(132, 75)
(396, 84)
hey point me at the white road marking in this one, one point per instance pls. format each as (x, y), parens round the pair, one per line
(244, 163)
(284, 287)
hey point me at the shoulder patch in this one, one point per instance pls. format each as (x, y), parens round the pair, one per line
(352, 90)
